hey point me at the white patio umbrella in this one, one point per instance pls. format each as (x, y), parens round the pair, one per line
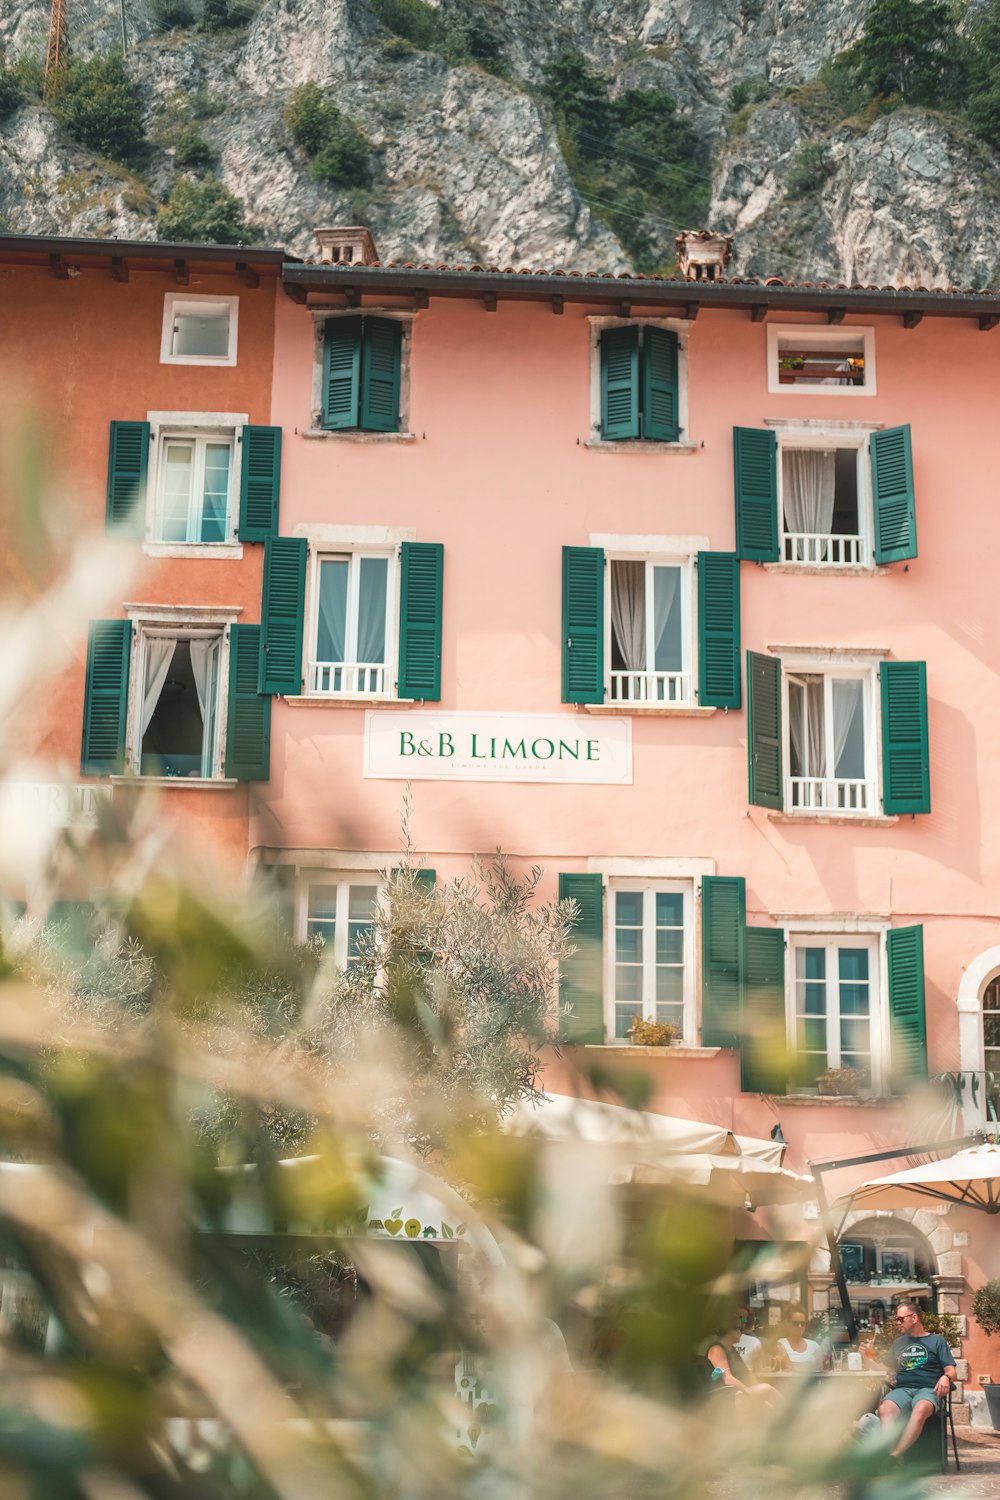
(733, 1181)
(559, 1117)
(969, 1179)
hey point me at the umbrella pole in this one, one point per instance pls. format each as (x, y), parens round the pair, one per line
(836, 1265)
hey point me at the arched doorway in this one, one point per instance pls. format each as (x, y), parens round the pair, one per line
(979, 1041)
(886, 1257)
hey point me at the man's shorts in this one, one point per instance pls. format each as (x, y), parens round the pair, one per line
(906, 1400)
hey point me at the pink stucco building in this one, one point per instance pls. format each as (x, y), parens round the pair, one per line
(681, 590)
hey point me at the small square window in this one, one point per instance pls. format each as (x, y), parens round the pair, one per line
(199, 330)
(824, 361)
(339, 908)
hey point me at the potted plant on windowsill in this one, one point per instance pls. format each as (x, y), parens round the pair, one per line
(986, 1311)
(651, 1033)
(841, 1081)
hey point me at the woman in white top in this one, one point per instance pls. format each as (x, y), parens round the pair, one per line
(796, 1352)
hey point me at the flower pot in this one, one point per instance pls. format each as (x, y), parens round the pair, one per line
(992, 1394)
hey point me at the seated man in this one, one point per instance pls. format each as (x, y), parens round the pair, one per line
(923, 1371)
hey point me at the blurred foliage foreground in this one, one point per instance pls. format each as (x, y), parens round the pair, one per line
(182, 1316)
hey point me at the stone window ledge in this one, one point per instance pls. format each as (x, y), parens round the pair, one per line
(639, 445)
(650, 711)
(624, 1049)
(848, 820)
(323, 700)
(351, 435)
(185, 783)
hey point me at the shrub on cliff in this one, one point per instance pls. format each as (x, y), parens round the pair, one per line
(338, 152)
(100, 107)
(204, 213)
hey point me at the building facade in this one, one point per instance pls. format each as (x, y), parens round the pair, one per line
(678, 589)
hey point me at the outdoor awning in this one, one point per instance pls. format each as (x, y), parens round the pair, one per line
(559, 1117)
(968, 1179)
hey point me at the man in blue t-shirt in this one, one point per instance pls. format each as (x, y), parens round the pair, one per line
(923, 1369)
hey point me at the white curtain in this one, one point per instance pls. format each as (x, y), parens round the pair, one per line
(666, 648)
(331, 644)
(848, 716)
(809, 477)
(805, 726)
(628, 613)
(371, 609)
(159, 654)
(201, 665)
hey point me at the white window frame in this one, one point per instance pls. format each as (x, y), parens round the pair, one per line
(649, 885)
(178, 623)
(824, 439)
(353, 682)
(343, 879)
(846, 338)
(174, 305)
(823, 799)
(832, 937)
(646, 690)
(204, 427)
(682, 328)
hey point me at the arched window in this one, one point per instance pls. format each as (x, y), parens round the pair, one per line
(991, 1037)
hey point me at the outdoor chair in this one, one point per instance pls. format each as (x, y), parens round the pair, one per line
(930, 1451)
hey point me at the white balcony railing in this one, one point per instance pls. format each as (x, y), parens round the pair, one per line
(650, 687)
(829, 794)
(825, 550)
(348, 679)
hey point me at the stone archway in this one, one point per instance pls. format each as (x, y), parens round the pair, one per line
(969, 1005)
(930, 1225)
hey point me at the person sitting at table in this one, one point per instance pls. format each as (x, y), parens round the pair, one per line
(727, 1368)
(923, 1368)
(748, 1346)
(795, 1352)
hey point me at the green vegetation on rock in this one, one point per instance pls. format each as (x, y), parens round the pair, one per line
(204, 213)
(172, 15)
(11, 91)
(192, 149)
(98, 104)
(634, 159)
(226, 15)
(462, 31)
(338, 152)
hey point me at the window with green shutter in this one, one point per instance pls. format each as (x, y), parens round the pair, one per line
(905, 963)
(723, 917)
(362, 373)
(906, 777)
(281, 615)
(892, 495)
(764, 730)
(582, 625)
(421, 604)
(640, 383)
(260, 481)
(128, 467)
(105, 698)
(581, 977)
(248, 723)
(763, 1038)
(719, 681)
(755, 471)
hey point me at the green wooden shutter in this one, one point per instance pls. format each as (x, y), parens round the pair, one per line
(341, 372)
(764, 730)
(260, 477)
(892, 493)
(128, 467)
(581, 978)
(906, 773)
(719, 681)
(763, 1038)
(421, 604)
(583, 625)
(905, 962)
(248, 721)
(723, 917)
(381, 358)
(755, 466)
(281, 615)
(105, 698)
(425, 878)
(620, 383)
(660, 394)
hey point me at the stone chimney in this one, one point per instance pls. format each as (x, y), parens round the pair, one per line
(702, 255)
(346, 247)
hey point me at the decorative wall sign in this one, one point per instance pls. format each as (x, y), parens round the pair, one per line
(554, 748)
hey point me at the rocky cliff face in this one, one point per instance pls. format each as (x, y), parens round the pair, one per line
(468, 166)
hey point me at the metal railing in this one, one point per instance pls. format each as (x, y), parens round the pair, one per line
(348, 679)
(976, 1093)
(829, 794)
(828, 550)
(650, 687)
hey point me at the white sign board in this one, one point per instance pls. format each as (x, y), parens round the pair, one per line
(555, 748)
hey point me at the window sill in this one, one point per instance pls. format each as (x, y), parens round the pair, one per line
(650, 711)
(681, 1049)
(840, 1101)
(855, 820)
(211, 361)
(193, 549)
(324, 700)
(827, 570)
(639, 445)
(351, 435)
(189, 783)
